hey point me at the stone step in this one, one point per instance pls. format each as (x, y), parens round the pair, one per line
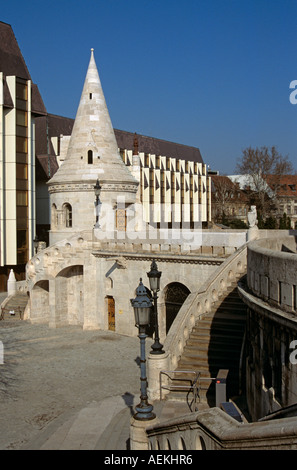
(214, 343)
(16, 304)
(212, 349)
(213, 330)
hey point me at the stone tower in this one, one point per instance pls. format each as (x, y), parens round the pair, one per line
(92, 154)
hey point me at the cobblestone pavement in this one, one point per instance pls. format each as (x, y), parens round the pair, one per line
(50, 373)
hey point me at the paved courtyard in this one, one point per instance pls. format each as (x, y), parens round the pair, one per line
(49, 374)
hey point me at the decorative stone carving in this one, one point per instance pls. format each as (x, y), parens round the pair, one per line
(253, 231)
(252, 217)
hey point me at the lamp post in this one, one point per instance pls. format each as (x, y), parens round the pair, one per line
(97, 190)
(142, 307)
(154, 277)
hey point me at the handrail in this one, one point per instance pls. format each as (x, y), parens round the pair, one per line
(194, 386)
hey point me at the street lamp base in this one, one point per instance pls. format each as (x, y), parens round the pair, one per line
(157, 348)
(144, 412)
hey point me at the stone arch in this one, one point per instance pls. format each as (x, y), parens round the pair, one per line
(175, 295)
(39, 297)
(69, 296)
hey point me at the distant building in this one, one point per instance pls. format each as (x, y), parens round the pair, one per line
(229, 202)
(285, 189)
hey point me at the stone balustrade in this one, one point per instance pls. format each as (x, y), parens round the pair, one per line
(197, 304)
(214, 429)
(272, 267)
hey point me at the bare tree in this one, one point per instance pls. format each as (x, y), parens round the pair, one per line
(263, 164)
(227, 199)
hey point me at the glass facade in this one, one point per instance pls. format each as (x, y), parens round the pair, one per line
(22, 171)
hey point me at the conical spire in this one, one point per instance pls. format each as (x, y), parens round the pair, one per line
(93, 150)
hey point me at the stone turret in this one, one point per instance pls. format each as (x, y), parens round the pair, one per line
(92, 154)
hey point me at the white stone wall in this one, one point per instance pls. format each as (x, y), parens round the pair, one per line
(74, 277)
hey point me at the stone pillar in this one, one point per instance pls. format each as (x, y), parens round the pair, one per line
(11, 284)
(94, 293)
(52, 303)
(156, 363)
(138, 435)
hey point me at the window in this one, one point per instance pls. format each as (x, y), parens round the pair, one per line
(21, 171)
(90, 157)
(91, 96)
(67, 215)
(54, 216)
(21, 198)
(21, 144)
(21, 90)
(21, 118)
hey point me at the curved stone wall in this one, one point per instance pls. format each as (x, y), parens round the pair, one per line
(272, 267)
(271, 330)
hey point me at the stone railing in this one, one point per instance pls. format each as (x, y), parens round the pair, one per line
(215, 244)
(197, 304)
(202, 242)
(214, 429)
(272, 267)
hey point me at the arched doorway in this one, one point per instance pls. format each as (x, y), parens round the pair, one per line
(176, 294)
(111, 312)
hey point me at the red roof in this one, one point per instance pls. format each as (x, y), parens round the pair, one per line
(285, 185)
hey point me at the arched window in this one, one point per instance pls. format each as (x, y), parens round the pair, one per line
(54, 216)
(67, 214)
(90, 157)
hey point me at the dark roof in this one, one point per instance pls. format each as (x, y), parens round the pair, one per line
(11, 59)
(47, 127)
(12, 63)
(54, 126)
(156, 146)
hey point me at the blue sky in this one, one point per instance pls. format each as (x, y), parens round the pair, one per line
(213, 74)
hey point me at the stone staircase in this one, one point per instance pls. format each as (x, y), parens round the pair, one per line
(15, 303)
(215, 343)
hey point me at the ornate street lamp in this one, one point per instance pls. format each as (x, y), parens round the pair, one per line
(142, 307)
(97, 190)
(154, 277)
